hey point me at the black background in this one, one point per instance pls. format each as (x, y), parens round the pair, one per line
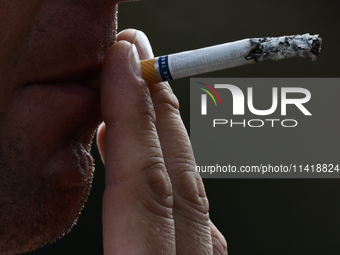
(275, 216)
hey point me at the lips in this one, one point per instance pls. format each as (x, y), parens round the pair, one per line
(65, 115)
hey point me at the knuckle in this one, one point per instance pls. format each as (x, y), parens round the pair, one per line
(160, 185)
(190, 200)
(197, 212)
(163, 97)
(218, 241)
(191, 189)
(219, 246)
(157, 196)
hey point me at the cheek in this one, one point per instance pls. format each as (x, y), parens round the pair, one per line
(35, 124)
(17, 17)
(66, 32)
(37, 37)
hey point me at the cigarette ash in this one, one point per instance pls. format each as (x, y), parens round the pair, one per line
(277, 48)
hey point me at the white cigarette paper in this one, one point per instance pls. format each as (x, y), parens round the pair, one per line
(228, 55)
(223, 56)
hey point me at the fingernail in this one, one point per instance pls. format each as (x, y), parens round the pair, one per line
(144, 46)
(134, 60)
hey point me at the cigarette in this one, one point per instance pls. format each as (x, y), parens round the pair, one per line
(227, 55)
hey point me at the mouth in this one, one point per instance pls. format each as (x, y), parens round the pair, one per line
(70, 84)
(93, 82)
(65, 111)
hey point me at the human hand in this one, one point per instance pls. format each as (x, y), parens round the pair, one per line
(154, 201)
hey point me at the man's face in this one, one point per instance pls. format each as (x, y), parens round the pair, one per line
(47, 115)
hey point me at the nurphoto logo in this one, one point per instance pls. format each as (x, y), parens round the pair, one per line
(238, 105)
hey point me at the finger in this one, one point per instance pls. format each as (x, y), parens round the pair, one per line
(193, 234)
(191, 205)
(137, 202)
(218, 240)
(140, 40)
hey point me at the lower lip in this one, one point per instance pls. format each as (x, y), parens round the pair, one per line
(72, 97)
(73, 109)
(71, 167)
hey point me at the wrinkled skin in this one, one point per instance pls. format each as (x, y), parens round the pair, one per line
(154, 202)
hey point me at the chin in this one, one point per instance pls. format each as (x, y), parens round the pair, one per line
(46, 169)
(36, 209)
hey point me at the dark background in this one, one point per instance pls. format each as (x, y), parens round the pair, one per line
(257, 216)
